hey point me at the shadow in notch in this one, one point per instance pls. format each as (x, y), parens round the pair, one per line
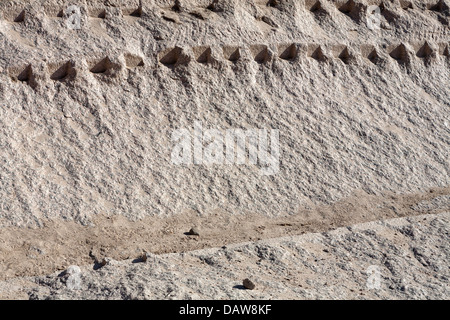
(406, 5)
(319, 55)
(348, 7)
(203, 54)
(63, 72)
(133, 61)
(400, 54)
(446, 52)
(136, 13)
(289, 53)
(102, 14)
(440, 6)
(20, 17)
(260, 53)
(26, 74)
(102, 66)
(170, 58)
(231, 53)
(425, 51)
(374, 57)
(315, 7)
(345, 56)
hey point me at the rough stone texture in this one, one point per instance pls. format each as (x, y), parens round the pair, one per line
(59, 244)
(87, 115)
(412, 255)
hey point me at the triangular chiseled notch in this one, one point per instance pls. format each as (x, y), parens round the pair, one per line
(319, 55)
(425, 51)
(400, 53)
(345, 56)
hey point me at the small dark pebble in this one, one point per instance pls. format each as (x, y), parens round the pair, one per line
(248, 284)
(194, 232)
(143, 257)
